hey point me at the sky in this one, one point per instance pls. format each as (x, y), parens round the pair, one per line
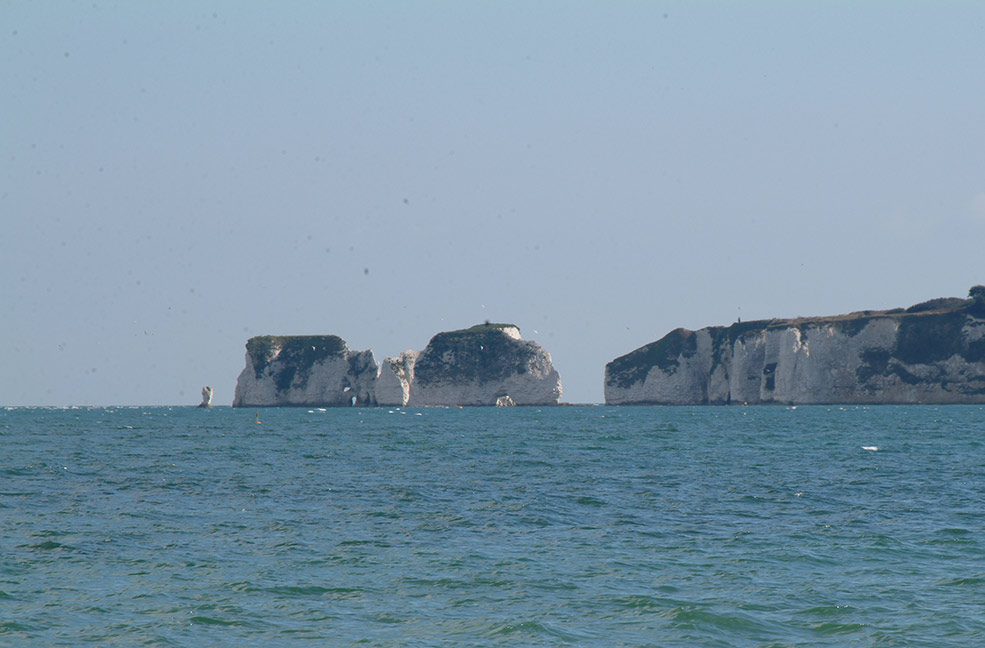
(178, 176)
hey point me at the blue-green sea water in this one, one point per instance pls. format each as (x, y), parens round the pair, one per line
(568, 526)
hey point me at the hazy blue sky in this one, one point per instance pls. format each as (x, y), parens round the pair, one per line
(179, 176)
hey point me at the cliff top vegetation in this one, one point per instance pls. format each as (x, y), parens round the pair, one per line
(292, 350)
(481, 352)
(485, 327)
(929, 332)
(973, 305)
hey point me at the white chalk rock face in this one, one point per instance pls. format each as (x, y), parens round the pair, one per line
(394, 379)
(305, 370)
(479, 365)
(929, 353)
(206, 397)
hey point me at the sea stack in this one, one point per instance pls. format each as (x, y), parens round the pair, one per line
(394, 379)
(206, 397)
(308, 370)
(485, 365)
(933, 352)
(479, 365)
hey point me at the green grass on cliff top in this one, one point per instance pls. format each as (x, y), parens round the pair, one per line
(485, 328)
(479, 353)
(294, 351)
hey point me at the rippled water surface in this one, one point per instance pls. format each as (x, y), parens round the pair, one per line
(572, 526)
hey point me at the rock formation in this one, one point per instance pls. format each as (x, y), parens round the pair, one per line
(206, 397)
(394, 379)
(311, 370)
(478, 365)
(933, 352)
(482, 365)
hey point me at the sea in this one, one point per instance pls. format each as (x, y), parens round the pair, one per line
(588, 526)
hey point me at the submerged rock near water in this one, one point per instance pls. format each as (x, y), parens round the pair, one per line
(505, 401)
(933, 352)
(311, 370)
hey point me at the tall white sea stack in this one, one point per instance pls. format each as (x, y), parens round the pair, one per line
(394, 379)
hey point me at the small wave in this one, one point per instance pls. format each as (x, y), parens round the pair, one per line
(643, 603)
(831, 629)
(470, 584)
(975, 581)
(49, 545)
(13, 626)
(314, 591)
(828, 610)
(529, 629)
(212, 621)
(590, 501)
(386, 617)
(383, 544)
(700, 617)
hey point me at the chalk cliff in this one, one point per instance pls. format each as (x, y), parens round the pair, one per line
(312, 370)
(933, 352)
(394, 379)
(483, 365)
(478, 365)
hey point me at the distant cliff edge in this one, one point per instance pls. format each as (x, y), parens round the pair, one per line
(933, 352)
(482, 365)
